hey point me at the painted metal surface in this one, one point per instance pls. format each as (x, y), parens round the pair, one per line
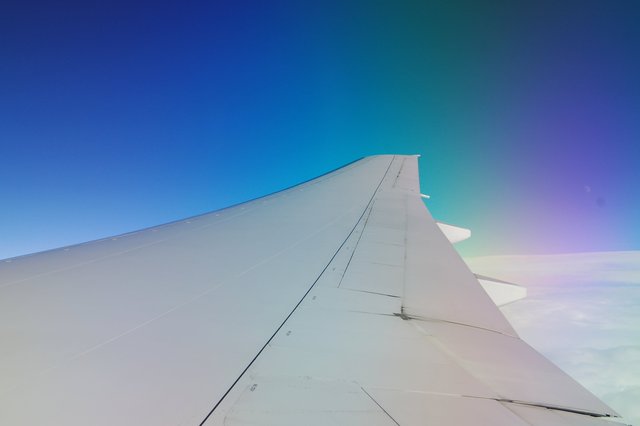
(336, 301)
(501, 292)
(454, 234)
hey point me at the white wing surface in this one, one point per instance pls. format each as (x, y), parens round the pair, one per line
(338, 301)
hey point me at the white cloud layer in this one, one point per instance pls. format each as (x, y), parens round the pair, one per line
(583, 313)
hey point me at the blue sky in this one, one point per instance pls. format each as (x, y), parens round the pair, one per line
(116, 116)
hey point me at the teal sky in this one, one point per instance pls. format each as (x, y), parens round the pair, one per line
(115, 116)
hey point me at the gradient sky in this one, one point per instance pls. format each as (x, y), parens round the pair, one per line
(116, 116)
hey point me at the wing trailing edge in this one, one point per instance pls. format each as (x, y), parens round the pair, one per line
(339, 300)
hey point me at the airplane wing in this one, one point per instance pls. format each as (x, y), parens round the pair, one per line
(337, 301)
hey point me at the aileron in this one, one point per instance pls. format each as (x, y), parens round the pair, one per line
(337, 301)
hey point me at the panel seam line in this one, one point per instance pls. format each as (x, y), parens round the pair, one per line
(303, 297)
(380, 406)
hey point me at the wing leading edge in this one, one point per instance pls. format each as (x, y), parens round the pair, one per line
(336, 301)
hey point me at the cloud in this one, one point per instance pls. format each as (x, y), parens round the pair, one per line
(583, 313)
(612, 373)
